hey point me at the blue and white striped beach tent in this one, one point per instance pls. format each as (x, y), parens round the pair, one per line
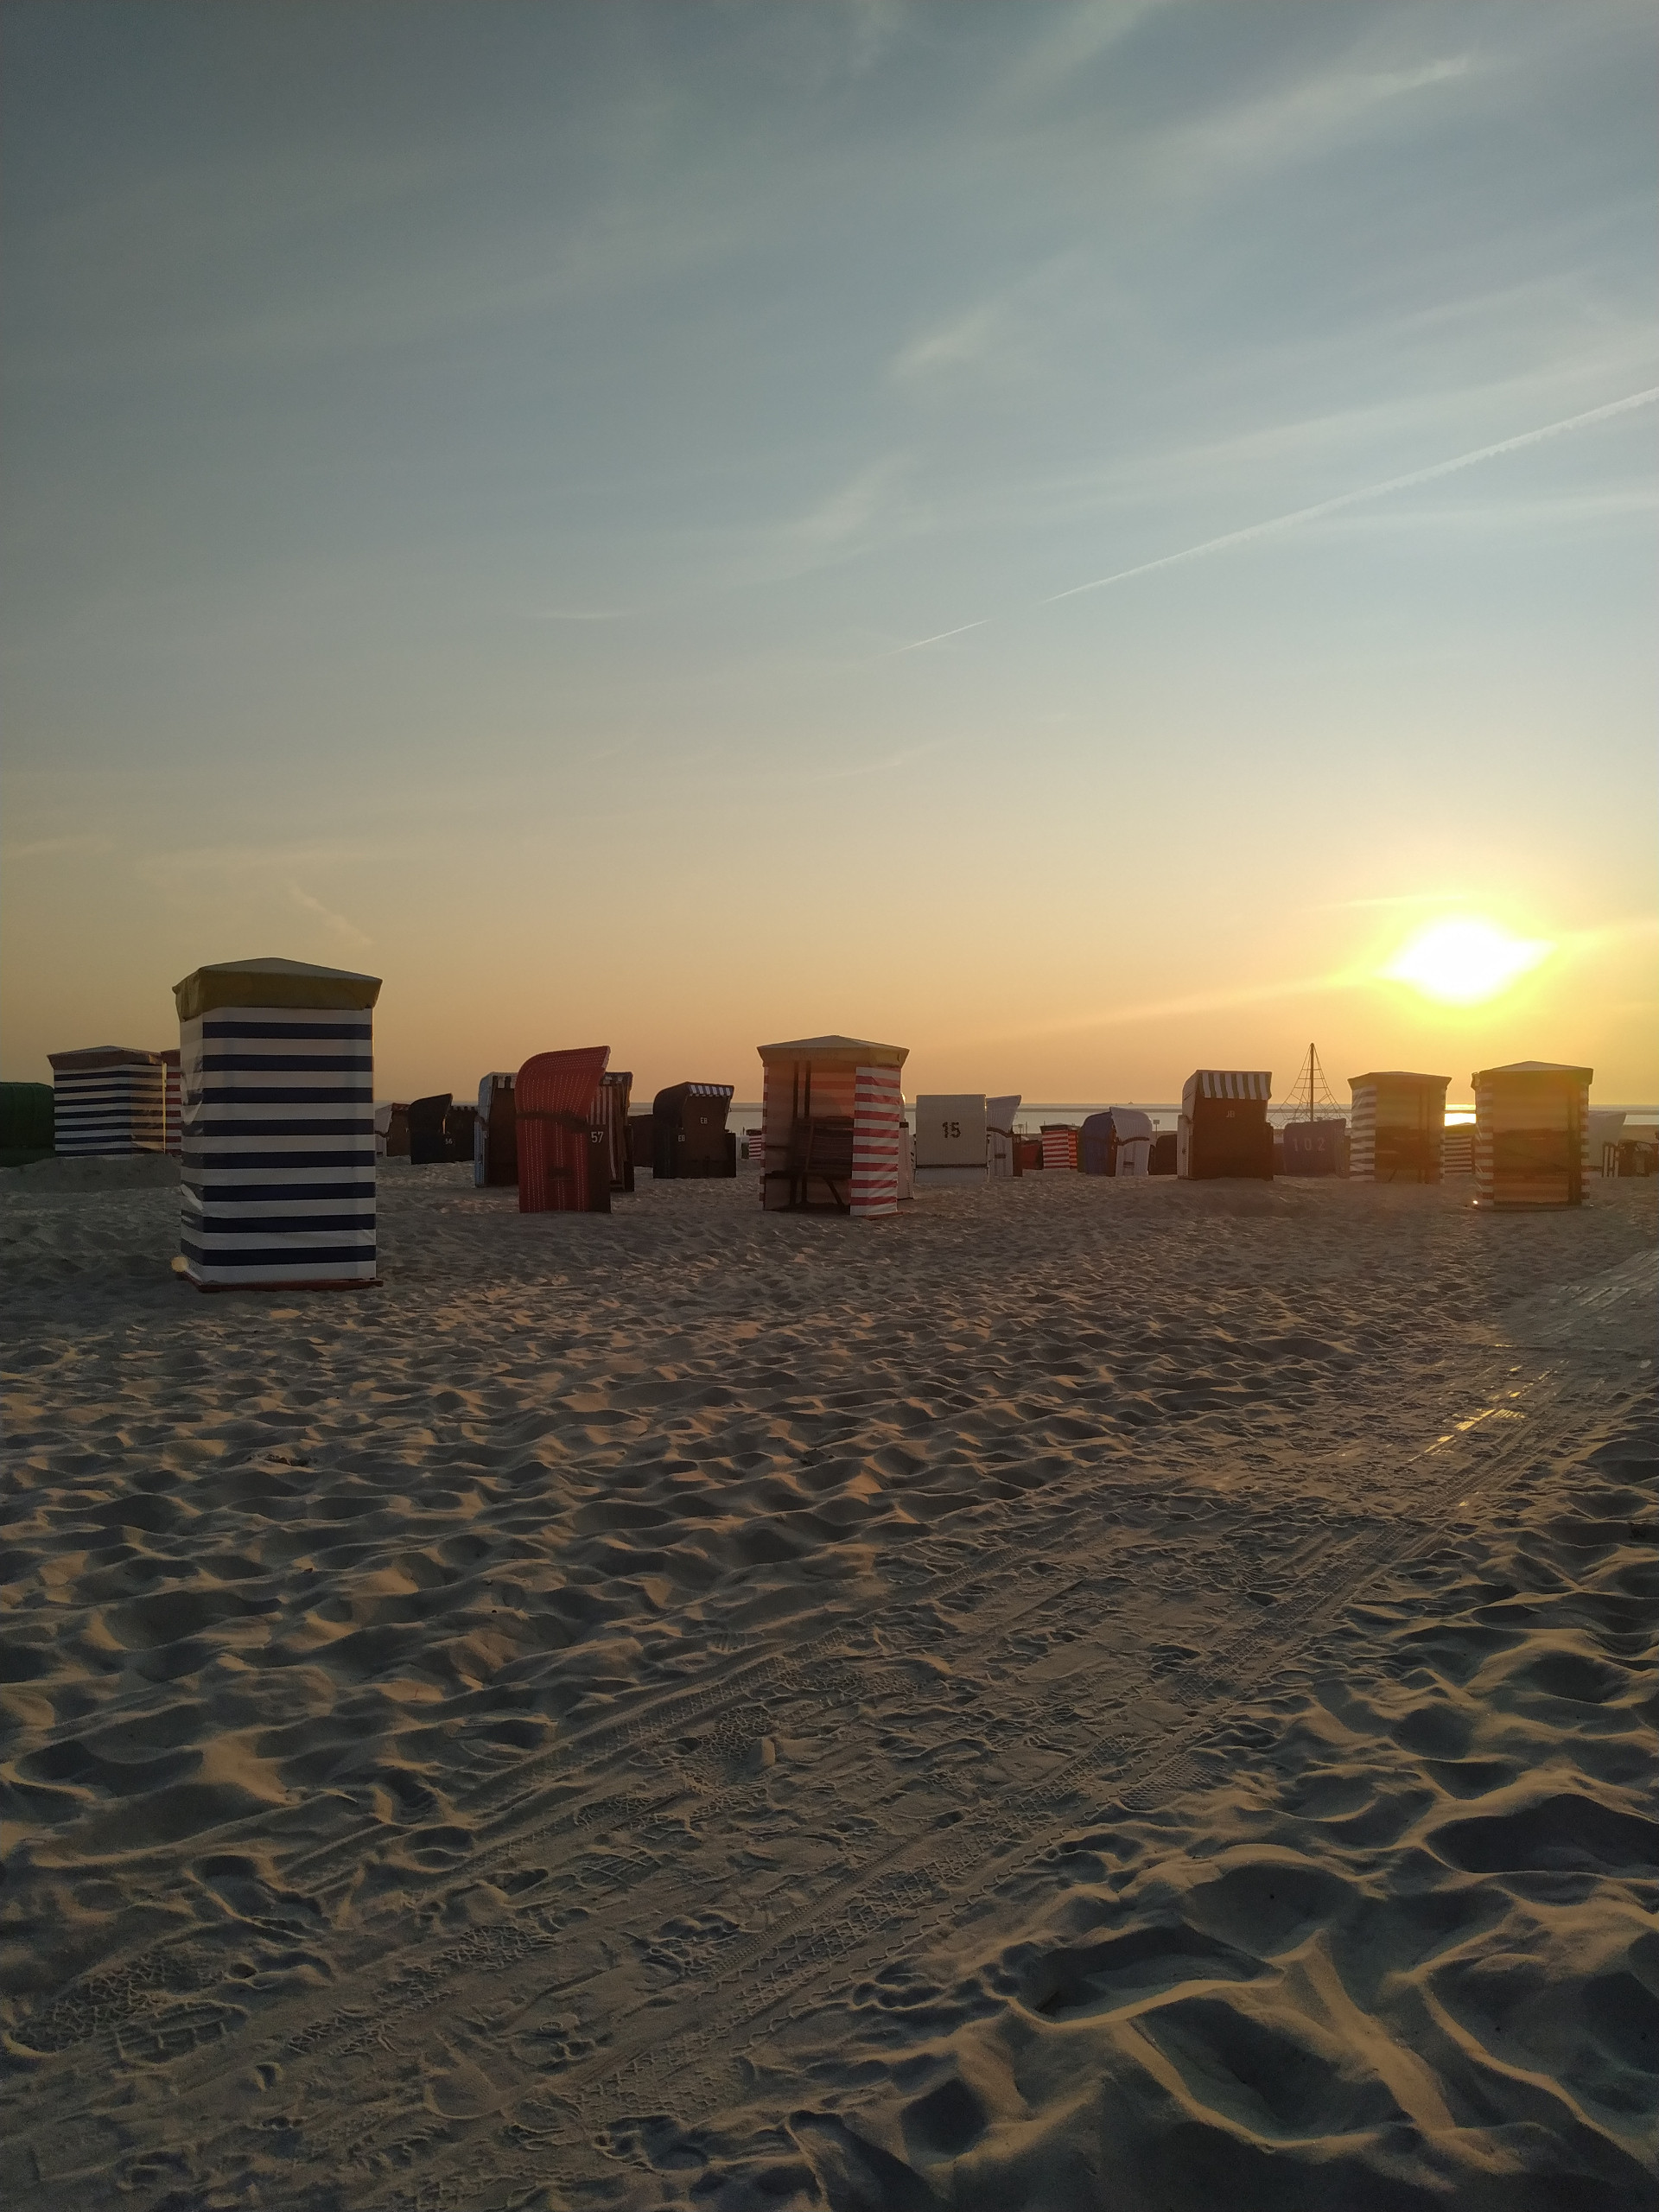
(108, 1100)
(278, 1177)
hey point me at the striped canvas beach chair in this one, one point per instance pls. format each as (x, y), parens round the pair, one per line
(277, 1181)
(108, 1102)
(564, 1163)
(1224, 1128)
(688, 1132)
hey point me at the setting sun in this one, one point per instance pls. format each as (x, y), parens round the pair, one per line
(1466, 960)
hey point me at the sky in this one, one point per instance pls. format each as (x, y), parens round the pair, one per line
(687, 524)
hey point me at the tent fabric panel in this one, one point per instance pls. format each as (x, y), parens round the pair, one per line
(878, 1109)
(92, 1059)
(1226, 1083)
(277, 1147)
(269, 982)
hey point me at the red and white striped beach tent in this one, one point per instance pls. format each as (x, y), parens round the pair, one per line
(1532, 1133)
(563, 1132)
(1059, 1145)
(833, 1125)
(1224, 1126)
(1398, 1131)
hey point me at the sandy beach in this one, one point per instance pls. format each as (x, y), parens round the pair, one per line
(1089, 1694)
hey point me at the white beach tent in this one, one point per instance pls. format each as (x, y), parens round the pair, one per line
(951, 1138)
(999, 1131)
(1134, 1134)
(277, 1181)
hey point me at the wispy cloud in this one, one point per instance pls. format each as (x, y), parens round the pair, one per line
(579, 614)
(341, 927)
(44, 849)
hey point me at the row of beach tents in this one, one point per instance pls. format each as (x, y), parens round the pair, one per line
(269, 1099)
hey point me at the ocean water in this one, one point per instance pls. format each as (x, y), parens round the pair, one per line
(745, 1113)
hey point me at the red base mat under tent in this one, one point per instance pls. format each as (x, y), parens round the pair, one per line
(565, 1162)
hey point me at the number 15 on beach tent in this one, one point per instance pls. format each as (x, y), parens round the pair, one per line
(276, 1177)
(952, 1139)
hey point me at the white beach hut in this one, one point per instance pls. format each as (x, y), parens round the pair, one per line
(277, 1184)
(952, 1139)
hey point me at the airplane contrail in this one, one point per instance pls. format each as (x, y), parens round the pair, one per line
(1328, 507)
(1369, 492)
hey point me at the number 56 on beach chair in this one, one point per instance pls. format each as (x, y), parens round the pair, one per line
(564, 1163)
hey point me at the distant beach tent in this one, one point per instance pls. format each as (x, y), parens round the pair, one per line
(427, 1145)
(172, 1097)
(1532, 1133)
(26, 1116)
(1399, 1126)
(1458, 1150)
(1606, 1128)
(615, 1090)
(1002, 1150)
(108, 1100)
(952, 1139)
(564, 1160)
(1165, 1154)
(495, 1134)
(1116, 1142)
(277, 1180)
(1059, 1145)
(832, 1126)
(689, 1137)
(1224, 1128)
(1319, 1148)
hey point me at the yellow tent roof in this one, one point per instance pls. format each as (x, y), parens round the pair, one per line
(836, 1052)
(271, 981)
